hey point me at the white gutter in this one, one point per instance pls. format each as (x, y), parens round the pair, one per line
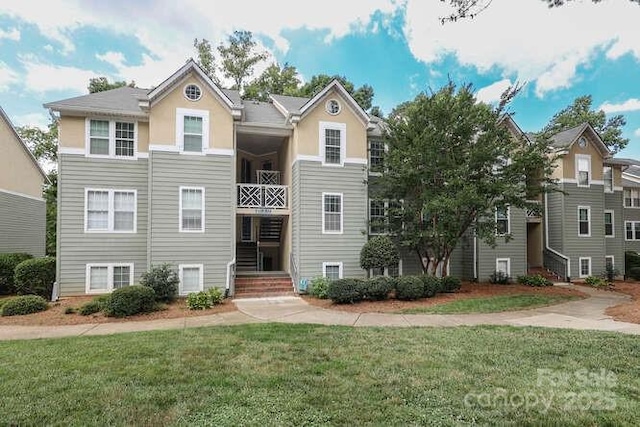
(546, 235)
(475, 254)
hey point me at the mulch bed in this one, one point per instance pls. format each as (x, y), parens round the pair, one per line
(55, 314)
(468, 290)
(630, 311)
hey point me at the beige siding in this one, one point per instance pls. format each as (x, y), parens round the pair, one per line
(72, 132)
(162, 116)
(18, 172)
(569, 165)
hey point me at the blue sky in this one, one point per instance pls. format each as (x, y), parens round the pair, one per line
(397, 46)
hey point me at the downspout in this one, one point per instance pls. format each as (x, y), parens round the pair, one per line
(475, 257)
(546, 238)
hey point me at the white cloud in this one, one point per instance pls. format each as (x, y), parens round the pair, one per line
(7, 76)
(492, 93)
(632, 104)
(114, 58)
(40, 77)
(636, 132)
(12, 34)
(39, 120)
(526, 39)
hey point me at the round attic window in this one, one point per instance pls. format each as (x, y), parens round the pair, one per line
(582, 142)
(332, 107)
(192, 92)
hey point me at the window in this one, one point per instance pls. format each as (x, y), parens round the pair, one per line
(584, 221)
(111, 138)
(191, 209)
(192, 130)
(106, 277)
(110, 210)
(377, 217)
(608, 224)
(585, 267)
(583, 170)
(332, 270)
(376, 155)
(503, 265)
(631, 198)
(333, 143)
(632, 230)
(503, 225)
(609, 263)
(191, 279)
(331, 213)
(607, 175)
(393, 271)
(332, 106)
(192, 92)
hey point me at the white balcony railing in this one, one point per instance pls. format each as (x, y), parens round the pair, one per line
(268, 177)
(263, 196)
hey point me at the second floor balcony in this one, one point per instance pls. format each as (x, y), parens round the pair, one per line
(265, 196)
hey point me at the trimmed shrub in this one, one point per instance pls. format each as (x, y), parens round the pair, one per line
(450, 284)
(130, 300)
(535, 280)
(319, 287)
(24, 304)
(163, 280)
(431, 285)
(35, 276)
(499, 278)
(378, 288)
(198, 301)
(595, 281)
(379, 252)
(215, 295)
(634, 273)
(631, 260)
(346, 291)
(8, 264)
(409, 288)
(96, 305)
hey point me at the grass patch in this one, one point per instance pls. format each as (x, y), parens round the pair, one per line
(276, 374)
(493, 304)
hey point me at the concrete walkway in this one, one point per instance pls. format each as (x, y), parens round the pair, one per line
(581, 314)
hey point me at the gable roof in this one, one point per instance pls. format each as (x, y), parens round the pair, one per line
(565, 139)
(121, 101)
(192, 66)
(4, 117)
(257, 112)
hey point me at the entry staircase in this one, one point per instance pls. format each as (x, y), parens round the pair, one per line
(263, 284)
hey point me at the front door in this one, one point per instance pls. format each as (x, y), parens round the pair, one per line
(246, 234)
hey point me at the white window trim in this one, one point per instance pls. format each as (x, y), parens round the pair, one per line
(587, 157)
(582, 276)
(631, 191)
(184, 92)
(588, 208)
(342, 127)
(385, 215)
(613, 224)
(508, 222)
(604, 180)
(112, 139)
(200, 267)
(111, 208)
(508, 260)
(386, 270)
(613, 261)
(180, 115)
(110, 266)
(332, 264)
(324, 230)
(203, 209)
(633, 231)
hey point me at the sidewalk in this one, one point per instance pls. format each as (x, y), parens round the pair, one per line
(582, 314)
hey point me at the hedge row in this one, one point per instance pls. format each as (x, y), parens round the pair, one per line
(349, 291)
(22, 274)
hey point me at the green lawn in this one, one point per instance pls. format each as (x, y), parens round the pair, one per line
(278, 374)
(492, 304)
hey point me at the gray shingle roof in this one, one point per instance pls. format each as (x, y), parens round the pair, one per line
(628, 183)
(293, 104)
(123, 100)
(565, 138)
(233, 95)
(262, 112)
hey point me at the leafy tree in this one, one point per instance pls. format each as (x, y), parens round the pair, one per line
(44, 146)
(376, 111)
(239, 57)
(206, 59)
(274, 80)
(363, 95)
(379, 253)
(581, 111)
(100, 84)
(447, 163)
